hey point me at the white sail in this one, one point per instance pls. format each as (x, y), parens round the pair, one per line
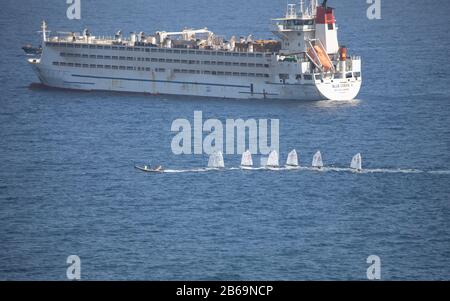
(317, 160)
(356, 162)
(292, 159)
(216, 160)
(272, 161)
(247, 159)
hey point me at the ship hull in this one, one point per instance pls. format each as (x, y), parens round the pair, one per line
(191, 85)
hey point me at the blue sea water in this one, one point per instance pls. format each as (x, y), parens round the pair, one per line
(68, 186)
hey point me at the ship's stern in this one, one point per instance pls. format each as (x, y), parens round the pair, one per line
(342, 85)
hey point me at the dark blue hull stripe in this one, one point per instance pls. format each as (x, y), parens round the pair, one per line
(290, 84)
(78, 83)
(160, 81)
(258, 93)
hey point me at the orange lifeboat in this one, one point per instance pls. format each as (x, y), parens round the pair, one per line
(323, 58)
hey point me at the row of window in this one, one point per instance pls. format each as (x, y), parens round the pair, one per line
(132, 68)
(161, 60)
(114, 67)
(297, 22)
(207, 72)
(297, 77)
(157, 49)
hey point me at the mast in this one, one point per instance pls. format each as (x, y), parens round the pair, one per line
(291, 13)
(44, 31)
(314, 5)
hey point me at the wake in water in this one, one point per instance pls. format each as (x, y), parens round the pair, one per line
(216, 163)
(337, 103)
(312, 169)
(186, 170)
(315, 169)
(440, 172)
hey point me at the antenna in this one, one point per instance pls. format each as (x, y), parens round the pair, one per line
(314, 5)
(291, 13)
(44, 31)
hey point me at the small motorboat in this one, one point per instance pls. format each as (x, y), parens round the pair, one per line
(146, 168)
(29, 49)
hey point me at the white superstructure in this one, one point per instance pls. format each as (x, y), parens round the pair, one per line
(305, 63)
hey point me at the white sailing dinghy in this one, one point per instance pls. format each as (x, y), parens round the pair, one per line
(272, 161)
(356, 163)
(247, 161)
(317, 160)
(292, 160)
(216, 160)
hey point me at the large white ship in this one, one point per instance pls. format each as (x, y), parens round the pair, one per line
(304, 63)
